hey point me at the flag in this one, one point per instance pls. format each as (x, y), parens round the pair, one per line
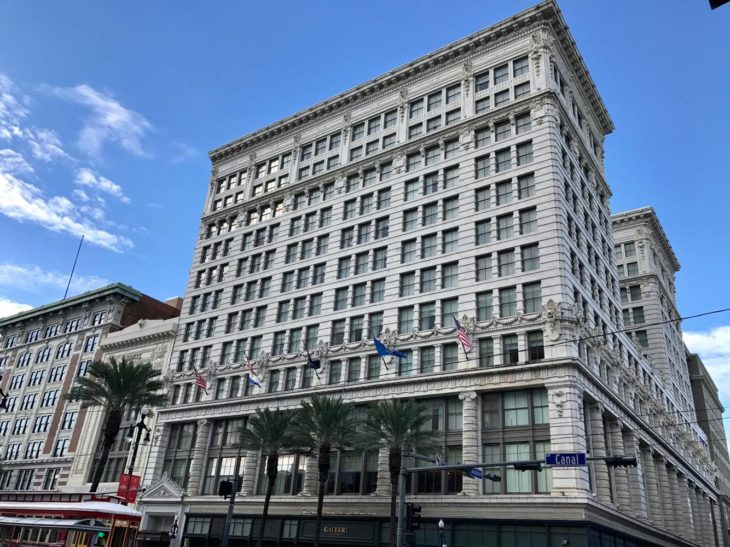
(252, 375)
(461, 335)
(200, 381)
(383, 351)
(313, 363)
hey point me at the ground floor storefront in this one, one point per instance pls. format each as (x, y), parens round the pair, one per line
(206, 530)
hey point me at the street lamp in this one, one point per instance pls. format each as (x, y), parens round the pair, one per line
(139, 426)
(442, 534)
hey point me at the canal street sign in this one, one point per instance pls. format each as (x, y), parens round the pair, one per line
(565, 459)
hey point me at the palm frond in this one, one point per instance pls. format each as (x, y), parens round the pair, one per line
(269, 431)
(326, 423)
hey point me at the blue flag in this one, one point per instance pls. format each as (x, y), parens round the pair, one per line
(252, 382)
(313, 363)
(383, 351)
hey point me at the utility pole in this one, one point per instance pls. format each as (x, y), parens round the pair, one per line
(401, 494)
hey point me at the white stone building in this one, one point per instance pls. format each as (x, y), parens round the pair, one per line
(467, 183)
(148, 341)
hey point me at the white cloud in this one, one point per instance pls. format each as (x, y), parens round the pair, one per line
(13, 162)
(44, 144)
(183, 153)
(8, 307)
(12, 111)
(27, 203)
(714, 348)
(110, 121)
(87, 177)
(35, 279)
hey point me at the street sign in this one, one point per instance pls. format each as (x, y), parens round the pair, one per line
(565, 459)
(475, 473)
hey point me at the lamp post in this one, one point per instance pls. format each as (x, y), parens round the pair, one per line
(442, 534)
(139, 426)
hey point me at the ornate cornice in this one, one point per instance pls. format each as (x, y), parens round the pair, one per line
(456, 53)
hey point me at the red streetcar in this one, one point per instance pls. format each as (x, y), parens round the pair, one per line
(66, 520)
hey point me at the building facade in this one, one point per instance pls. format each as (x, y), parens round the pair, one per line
(147, 341)
(42, 352)
(470, 184)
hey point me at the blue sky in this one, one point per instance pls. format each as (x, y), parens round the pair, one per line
(107, 111)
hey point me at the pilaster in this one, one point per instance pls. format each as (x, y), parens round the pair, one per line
(383, 486)
(470, 440)
(620, 476)
(160, 440)
(198, 457)
(637, 488)
(665, 494)
(311, 477)
(652, 487)
(685, 507)
(598, 450)
(249, 473)
(567, 434)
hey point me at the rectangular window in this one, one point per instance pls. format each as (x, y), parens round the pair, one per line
(530, 257)
(524, 153)
(532, 296)
(428, 246)
(484, 306)
(380, 258)
(481, 81)
(526, 186)
(504, 192)
(427, 360)
(341, 298)
(428, 280)
(405, 319)
(449, 310)
(502, 130)
(450, 275)
(510, 354)
(408, 251)
(450, 240)
(356, 328)
(407, 286)
(528, 220)
(377, 291)
(522, 90)
(504, 160)
(508, 302)
(429, 214)
(338, 332)
(483, 232)
(426, 315)
(506, 262)
(535, 346)
(523, 122)
(504, 227)
(481, 166)
(501, 98)
(520, 66)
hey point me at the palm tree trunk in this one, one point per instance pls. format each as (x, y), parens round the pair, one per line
(394, 468)
(113, 424)
(272, 465)
(324, 471)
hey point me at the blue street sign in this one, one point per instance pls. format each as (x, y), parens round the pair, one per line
(475, 473)
(565, 459)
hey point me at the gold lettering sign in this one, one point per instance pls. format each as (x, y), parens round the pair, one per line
(335, 530)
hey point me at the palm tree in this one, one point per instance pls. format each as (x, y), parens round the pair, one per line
(387, 425)
(325, 424)
(116, 386)
(270, 432)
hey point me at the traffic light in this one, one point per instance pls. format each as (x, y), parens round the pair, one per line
(413, 517)
(239, 483)
(225, 489)
(494, 477)
(621, 461)
(527, 466)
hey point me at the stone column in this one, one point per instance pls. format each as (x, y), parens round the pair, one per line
(620, 476)
(652, 487)
(248, 485)
(677, 517)
(567, 434)
(637, 489)
(383, 486)
(598, 450)
(685, 508)
(160, 441)
(696, 519)
(717, 522)
(470, 441)
(708, 534)
(665, 494)
(197, 457)
(311, 477)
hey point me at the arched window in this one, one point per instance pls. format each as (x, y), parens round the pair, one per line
(24, 359)
(43, 355)
(64, 350)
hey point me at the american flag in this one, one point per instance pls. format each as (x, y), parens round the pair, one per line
(461, 335)
(200, 381)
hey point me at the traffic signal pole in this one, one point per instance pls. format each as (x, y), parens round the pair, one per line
(232, 500)
(401, 494)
